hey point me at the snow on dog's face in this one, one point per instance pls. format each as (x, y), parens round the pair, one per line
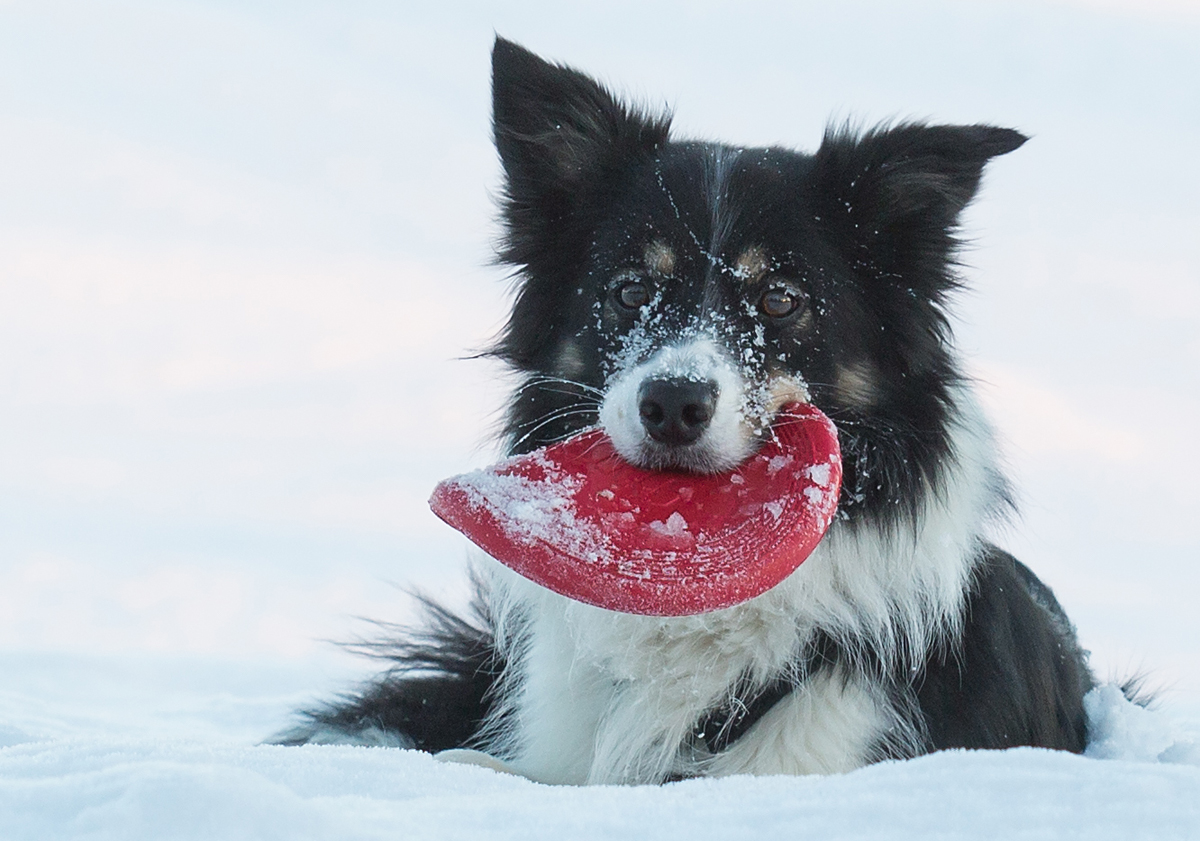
(696, 368)
(678, 293)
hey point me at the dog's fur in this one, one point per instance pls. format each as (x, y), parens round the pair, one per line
(742, 279)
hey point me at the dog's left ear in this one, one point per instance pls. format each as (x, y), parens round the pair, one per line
(561, 137)
(895, 194)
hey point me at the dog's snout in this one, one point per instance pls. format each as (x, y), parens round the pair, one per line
(676, 411)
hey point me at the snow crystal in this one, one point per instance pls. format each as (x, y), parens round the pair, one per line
(675, 525)
(775, 509)
(777, 463)
(820, 474)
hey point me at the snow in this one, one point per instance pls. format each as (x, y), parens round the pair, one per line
(541, 509)
(154, 773)
(147, 748)
(675, 525)
(1121, 730)
(778, 463)
(154, 791)
(820, 474)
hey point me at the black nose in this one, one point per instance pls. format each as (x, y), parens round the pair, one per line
(677, 411)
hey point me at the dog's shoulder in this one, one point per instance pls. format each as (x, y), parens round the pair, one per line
(1016, 675)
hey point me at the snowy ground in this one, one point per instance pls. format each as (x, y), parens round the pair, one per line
(243, 246)
(162, 749)
(155, 790)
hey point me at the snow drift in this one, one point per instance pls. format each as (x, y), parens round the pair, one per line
(133, 774)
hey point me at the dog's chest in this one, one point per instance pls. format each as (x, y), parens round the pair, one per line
(617, 699)
(832, 722)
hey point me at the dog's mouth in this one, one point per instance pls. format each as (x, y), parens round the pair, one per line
(687, 409)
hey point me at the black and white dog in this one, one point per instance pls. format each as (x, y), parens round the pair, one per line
(678, 293)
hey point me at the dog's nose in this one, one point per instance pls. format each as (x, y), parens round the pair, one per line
(676, 411)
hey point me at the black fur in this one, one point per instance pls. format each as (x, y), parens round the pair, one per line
(1016, 677)
(865, 231)
(436, 694)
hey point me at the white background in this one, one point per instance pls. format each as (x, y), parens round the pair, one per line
(243, 246)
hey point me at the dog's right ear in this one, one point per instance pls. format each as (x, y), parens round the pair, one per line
(560, 136)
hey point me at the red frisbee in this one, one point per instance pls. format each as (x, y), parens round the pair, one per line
(577, 518)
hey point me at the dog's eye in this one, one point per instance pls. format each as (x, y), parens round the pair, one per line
(779, 302)
(633, 294)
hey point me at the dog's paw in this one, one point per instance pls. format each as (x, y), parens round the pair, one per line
(465, 756)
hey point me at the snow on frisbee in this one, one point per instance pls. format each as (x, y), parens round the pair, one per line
(577, 518)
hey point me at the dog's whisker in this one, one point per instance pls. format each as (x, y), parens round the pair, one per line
(543, 379)
(594, 400)
(546, 420)
(534, 425)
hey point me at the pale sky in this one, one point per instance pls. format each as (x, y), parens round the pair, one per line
(243, 247)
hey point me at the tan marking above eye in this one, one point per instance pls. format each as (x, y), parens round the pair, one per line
(570, 359)
(659, 258)
(856, 383)
(751, 264)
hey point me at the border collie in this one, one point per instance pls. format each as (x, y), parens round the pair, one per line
(769, 276)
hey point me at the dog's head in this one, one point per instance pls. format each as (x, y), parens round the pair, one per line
(679, 293)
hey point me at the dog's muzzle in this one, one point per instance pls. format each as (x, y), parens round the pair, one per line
(682, 408)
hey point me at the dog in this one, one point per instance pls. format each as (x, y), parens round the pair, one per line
(677, 294)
